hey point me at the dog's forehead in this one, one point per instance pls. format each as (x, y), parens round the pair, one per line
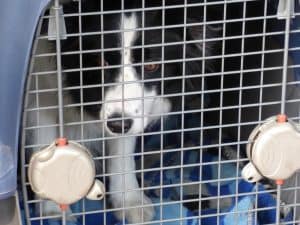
(130, 24)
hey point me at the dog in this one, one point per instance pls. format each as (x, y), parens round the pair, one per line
(128, 85)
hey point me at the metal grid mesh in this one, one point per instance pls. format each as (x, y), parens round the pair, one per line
(245, 76)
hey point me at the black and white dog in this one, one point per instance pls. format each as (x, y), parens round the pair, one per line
(134, 71)
(133, 80)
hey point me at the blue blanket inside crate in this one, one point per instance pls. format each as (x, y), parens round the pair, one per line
(246, 209)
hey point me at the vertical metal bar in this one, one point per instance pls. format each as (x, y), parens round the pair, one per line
(278, 197)
(283, 93)
(143, 104)
(202, 112)
(296, 190)
(240, 98)
(59, 70)
(183, 106)
(122, 30)
(286, 57)
(102, 122)
(64, 217)
(221, 105)
(80, 67)
(37, 100)
(162, 117)
(59, 82)
(81, 91)
(261, 89)
(262, 61)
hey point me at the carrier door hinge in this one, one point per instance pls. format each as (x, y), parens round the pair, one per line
(286, 9)
(52, 24)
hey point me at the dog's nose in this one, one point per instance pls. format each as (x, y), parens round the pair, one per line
(115, 126)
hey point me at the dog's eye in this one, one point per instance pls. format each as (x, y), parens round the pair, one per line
(151, 67)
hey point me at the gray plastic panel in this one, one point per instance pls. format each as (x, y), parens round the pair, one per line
(10, 211)
(18, 20)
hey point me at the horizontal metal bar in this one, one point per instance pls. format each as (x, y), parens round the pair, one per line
(173, 6)
(206, 40)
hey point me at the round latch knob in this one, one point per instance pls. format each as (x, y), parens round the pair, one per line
(64, 172)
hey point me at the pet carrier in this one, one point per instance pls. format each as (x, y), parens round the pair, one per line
(171, 99)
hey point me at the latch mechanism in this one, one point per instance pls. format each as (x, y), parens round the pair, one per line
(64, 172)
(273, 150)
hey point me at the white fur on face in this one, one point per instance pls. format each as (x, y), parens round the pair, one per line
(124, 92)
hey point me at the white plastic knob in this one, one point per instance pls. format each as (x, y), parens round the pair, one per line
(250, 173)
(64, 172)
(97, 191)
(274, 150)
